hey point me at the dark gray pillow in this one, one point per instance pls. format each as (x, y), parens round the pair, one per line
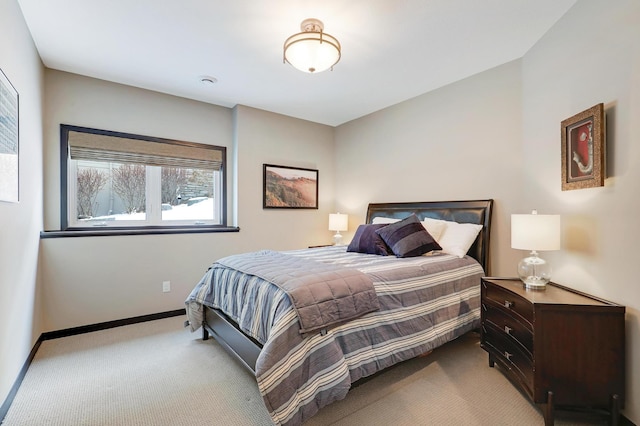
(367, 241)
(408, 238)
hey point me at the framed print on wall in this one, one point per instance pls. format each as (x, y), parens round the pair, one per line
(289, 187)
(583, 149)
(9, 176)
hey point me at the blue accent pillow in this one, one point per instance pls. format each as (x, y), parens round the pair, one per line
(365, 240)
(408, 238)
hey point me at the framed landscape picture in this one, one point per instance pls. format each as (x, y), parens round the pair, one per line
(583, 149)
(9, 180)
(289, 187)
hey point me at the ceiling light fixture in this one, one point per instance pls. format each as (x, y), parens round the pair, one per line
(312, 50)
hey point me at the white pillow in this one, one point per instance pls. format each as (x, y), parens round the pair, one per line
(457, 238)
(435, 227)
(379, 219)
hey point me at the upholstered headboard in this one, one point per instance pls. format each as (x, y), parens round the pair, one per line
(476, 211)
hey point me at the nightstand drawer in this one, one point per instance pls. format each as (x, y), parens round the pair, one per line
(518, 331)
(510, 301)
(510, 354)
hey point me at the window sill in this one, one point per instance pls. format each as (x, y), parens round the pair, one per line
(91, 232)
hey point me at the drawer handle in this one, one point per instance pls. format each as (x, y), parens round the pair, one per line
(507, 355)
(508, 304)
(507, 329)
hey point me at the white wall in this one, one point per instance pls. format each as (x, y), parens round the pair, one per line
(20, 223)
(88, 102)
(88, 280)
(591, 55)
(268, 138)
(497, 135)
(458, 142)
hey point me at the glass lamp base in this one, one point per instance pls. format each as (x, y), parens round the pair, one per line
(534, 272)
(337, 239)
(534, 283)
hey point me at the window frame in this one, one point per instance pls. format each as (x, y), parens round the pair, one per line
(171, 226)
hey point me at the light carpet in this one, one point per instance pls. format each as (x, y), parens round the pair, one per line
(157, 373)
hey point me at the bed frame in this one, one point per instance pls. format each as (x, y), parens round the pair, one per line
(247, 349)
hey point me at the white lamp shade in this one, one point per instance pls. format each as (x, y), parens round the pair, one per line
(535, 232)
(338, 222)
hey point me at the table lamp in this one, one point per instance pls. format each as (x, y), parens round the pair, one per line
(338, 222)
(535, 232)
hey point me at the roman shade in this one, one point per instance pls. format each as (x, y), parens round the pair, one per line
(165, 153)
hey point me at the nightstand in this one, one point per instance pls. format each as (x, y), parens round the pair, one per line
(564, 349)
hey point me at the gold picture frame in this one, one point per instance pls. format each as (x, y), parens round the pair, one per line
(583, 150)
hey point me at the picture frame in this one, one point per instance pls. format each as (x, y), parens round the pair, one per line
(583, 149)
(287, 187)
(9, 142)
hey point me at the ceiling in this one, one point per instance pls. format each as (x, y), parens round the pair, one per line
(392, 50)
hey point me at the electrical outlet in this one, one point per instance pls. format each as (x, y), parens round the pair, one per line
(166, 286)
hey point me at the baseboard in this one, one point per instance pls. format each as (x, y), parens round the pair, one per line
(4, 409)
(110, 324)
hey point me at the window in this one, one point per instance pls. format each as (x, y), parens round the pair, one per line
(119, 180)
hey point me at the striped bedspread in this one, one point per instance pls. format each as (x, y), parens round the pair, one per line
(424, 302)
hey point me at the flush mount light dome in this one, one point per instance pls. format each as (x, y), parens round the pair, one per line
(312, 50)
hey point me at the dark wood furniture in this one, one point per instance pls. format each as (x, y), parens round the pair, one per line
(563, 348)
(246, 349)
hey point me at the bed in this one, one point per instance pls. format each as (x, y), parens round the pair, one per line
(300, 372)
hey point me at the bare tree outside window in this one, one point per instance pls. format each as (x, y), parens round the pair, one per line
(90, 182)
(173, 179)
(129, 184)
